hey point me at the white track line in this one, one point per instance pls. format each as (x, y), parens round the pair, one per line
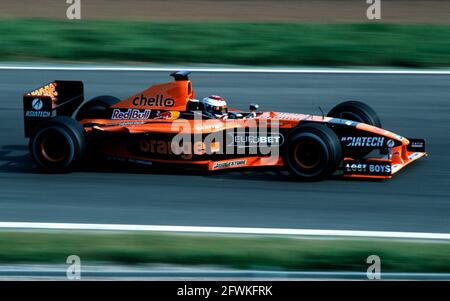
(228, 230)
(241, 70)
(29, 271)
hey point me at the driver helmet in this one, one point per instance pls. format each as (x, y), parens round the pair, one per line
(216, 106)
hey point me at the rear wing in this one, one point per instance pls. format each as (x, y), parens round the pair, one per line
(58, 98)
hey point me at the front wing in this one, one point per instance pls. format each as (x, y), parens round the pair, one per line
(385, 167)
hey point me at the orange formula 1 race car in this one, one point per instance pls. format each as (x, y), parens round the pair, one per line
(166, 124)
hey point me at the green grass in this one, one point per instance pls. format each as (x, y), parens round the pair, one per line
(226, 43)
(255, 252)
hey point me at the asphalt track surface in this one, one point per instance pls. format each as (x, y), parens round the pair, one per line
(417, 199)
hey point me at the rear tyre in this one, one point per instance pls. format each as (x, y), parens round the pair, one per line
(58, 145)
(97, 108)
(356, 111)
(312, 152)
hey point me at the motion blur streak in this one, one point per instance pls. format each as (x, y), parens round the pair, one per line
(415, 201)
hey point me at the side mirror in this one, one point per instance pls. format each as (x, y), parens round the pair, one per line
(253, 107)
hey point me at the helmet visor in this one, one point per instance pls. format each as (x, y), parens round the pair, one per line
(219, 110)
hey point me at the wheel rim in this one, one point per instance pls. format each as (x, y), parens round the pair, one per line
(54, 147)
(308, 154)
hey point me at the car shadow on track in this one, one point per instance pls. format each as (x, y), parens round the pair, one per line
(16, 159)
(261, 174)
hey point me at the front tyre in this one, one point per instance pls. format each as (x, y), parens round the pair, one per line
(355, 111)
(312, 152)
(58, 145)
(359, 112)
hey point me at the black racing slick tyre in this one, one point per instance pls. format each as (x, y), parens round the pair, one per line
(97, 108)
(355, 111)
(313, 152)
(58, 145)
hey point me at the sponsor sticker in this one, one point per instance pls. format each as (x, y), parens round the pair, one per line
(368, 168)
(396, 167)
(158, 101)
(155, 147)
(414, 156)
(37, 114)
(390, 143)
(163, 115)
(130, 114)
(37, 105)
(167, 114)
(186, 150)
(228, 164)
(363, 141)
(417, 144)
(253, 139)
(127, 123)
(210, 126)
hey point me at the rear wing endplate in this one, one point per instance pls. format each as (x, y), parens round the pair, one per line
(60, 98)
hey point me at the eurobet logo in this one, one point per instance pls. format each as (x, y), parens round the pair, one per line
(253, 139)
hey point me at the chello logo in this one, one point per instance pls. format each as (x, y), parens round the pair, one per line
(157, 101)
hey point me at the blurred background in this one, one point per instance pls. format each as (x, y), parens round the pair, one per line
(409, 33)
